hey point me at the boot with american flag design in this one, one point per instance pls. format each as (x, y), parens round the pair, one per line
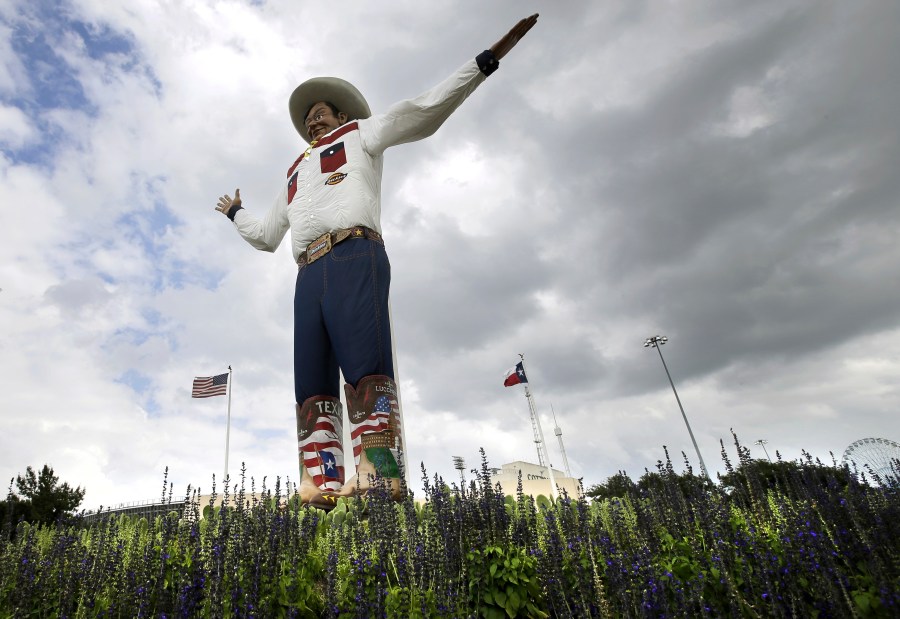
(319, 433)
(374, 415)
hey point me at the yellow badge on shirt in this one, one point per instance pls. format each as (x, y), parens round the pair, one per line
(335, 178)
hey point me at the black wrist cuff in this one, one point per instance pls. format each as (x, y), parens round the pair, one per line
(487, 64)
(234, 209)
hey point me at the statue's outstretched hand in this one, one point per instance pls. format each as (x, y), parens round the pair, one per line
(225, 202)
(502, 47)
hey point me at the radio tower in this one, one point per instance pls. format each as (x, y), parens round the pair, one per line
(537, 436)
(562, 449)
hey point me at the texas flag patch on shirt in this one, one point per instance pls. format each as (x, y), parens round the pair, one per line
(332, 158)
(292, 187)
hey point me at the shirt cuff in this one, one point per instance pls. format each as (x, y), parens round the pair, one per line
(233, 210)
(487, 64)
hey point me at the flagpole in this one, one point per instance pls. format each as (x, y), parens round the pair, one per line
(227, 427)
(537, 417)
(403, 442)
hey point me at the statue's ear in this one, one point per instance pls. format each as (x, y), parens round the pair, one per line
(342, 117)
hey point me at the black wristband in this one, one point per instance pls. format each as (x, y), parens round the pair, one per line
(487, 64)
(233, 210)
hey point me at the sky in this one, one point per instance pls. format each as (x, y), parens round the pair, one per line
(721, 173)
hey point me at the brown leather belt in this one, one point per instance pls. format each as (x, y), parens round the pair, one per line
(327, 241)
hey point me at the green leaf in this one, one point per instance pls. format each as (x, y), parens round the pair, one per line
(494, 613)
(500, 598)
(863, 600)
(515, 601)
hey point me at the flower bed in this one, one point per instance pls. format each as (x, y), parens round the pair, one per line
(823, 544)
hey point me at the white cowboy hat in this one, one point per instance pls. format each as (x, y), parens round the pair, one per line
(341, 93)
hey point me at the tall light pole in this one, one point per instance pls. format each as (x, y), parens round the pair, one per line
(460, 465)
(762, 443)
(656, 341)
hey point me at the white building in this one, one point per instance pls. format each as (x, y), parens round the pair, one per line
(535, 480)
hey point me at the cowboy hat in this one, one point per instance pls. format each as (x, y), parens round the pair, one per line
(341, 93)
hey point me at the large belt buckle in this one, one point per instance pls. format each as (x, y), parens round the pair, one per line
(318, 248)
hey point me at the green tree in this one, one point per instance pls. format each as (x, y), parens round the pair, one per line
(686, 482)
(794, 478)
(12, 510)
(44, 499)
(617, 486)
(785, 476)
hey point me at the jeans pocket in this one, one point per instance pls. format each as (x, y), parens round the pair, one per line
(351, 250)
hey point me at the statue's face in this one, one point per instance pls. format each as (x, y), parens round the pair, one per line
(322, 120)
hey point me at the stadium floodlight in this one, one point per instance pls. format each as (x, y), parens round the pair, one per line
(762, 443)
(460, 465)
(656, 342)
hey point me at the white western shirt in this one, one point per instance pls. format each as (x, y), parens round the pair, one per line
(339, 186)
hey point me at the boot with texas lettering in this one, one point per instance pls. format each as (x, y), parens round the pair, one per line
(319, 432)
(374, 416)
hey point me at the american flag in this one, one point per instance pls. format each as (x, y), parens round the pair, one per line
(378, 421)
(208, 386)
(323, 455)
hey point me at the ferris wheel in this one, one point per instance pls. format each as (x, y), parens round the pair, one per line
(875, 455)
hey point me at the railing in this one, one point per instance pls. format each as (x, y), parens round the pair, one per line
(146, 509)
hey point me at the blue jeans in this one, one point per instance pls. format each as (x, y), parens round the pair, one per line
(341, 319)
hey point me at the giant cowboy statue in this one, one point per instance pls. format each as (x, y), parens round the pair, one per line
(331, 202)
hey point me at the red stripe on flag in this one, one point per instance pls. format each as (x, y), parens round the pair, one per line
(209, 386)
(324, 424)
(325, 483)
(319, 446)
(376, 423)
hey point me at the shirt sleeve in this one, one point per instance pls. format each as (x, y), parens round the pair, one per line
(265, 234)
(418, 118)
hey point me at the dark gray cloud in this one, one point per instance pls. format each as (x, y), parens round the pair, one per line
(724, 174)
(742, 206)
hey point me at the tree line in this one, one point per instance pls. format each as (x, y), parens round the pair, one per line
(40, 498)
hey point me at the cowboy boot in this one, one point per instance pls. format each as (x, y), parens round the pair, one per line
(374, 416)
(321, 451)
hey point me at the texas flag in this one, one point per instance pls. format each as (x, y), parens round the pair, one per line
(515, 375)
(321, 451)
(329, 465)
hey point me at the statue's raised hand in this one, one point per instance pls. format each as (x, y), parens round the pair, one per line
(225, 202)
(509, 40)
